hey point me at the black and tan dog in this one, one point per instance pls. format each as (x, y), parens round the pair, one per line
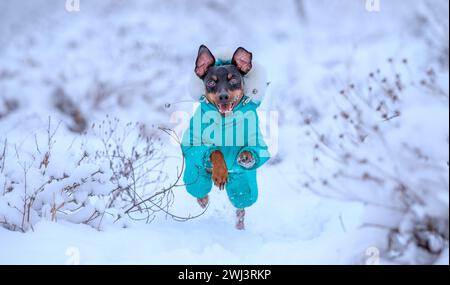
(226, 147)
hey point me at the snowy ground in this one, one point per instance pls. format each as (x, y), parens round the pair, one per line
(287, 225)
(140, 54)
(295, 232)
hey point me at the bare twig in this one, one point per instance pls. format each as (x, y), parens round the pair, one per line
(3, 156)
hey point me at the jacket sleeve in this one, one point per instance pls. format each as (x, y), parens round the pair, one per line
(195, 151)
(256, 146)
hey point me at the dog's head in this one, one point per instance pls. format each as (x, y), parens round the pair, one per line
(224, 84)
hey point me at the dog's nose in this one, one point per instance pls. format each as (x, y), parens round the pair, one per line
(224, 98)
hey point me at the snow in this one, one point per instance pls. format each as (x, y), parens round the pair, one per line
(133, 60)
(211, 239)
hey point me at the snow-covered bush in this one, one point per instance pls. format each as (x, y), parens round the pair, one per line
(135, 161)
(389, 148)
(93, 180)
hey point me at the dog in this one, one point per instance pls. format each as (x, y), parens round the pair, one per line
(223, 145)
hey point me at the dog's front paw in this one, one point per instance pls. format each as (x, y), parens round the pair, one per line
(219, 170)
(220, 175)
(246, 160)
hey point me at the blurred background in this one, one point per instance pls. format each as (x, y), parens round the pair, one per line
(122, 54)
(360, 88)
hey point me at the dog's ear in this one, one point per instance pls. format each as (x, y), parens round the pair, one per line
(243, 60)
(205, 60)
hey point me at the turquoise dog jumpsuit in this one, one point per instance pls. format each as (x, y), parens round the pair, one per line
(232, 134)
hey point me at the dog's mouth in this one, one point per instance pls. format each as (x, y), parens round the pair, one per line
(226, 108)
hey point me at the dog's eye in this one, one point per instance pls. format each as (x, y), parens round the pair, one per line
(211, 83)
(233, 81)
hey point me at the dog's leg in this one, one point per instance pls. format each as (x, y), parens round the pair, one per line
(203, 202)
(219, 170)
(240, 214)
